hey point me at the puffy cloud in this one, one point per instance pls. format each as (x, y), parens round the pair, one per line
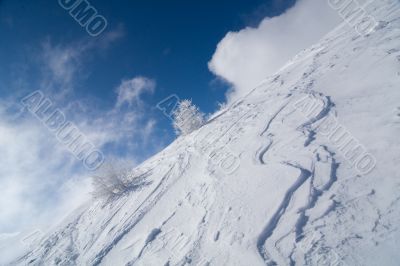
(130, 90)
(246, 57)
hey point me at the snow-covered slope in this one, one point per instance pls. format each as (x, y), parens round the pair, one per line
(268, 180)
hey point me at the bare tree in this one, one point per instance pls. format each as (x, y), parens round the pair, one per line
(116, 178)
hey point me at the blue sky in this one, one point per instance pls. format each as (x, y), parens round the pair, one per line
(170, 42)
(109, 85)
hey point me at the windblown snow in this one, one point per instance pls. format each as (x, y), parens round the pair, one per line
(300, 171)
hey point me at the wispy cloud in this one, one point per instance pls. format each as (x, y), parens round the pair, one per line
(131, 90)
(62, 64)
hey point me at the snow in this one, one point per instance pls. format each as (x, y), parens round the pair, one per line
(262, 183)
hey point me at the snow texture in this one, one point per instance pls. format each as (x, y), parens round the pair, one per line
(262, 182)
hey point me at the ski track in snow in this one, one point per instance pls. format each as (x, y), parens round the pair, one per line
(305, 174)
(273, 222)
(263, 150)
(141, 211)
(274, 117)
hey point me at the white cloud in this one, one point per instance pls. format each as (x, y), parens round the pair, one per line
(130, 90)
(39, 183)
(246, 57)
(32, 171)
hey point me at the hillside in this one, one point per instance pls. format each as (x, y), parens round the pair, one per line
(274, 179)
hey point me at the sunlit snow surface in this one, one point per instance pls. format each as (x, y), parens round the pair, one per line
(293, 200)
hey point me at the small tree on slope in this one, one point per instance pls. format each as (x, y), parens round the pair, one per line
(110, 180)
(116, 177)
(187, 118)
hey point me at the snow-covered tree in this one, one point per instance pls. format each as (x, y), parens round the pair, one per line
(110, 180)
(115, 178)
(187, 118)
